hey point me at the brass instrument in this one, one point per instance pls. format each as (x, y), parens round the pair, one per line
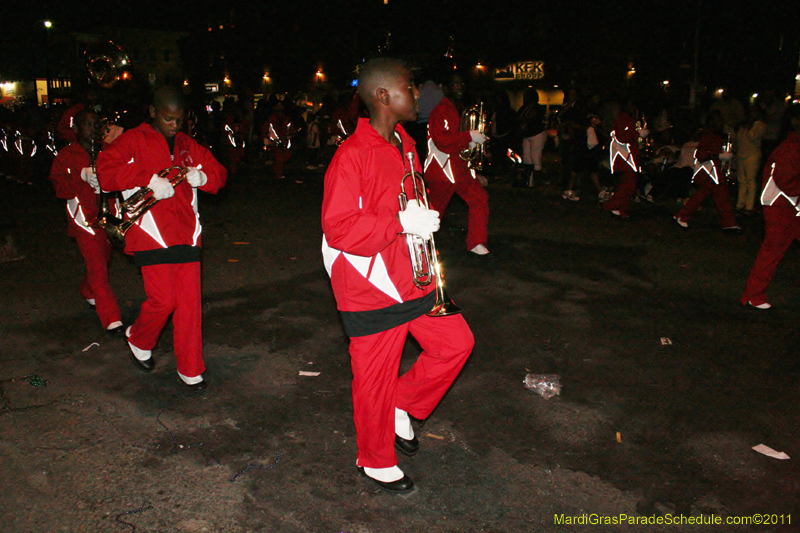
(104, 217)
(424, 259)
(726, 165)
(474, 118)
(136, 206)
(107, 64)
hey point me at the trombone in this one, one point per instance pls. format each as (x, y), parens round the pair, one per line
(425, 264)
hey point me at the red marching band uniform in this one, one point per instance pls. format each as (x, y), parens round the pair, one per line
(780, 198)
(709, 180)
(367, 258)
(447, 174)
(93, 244)
(625, 161)
(166, 240)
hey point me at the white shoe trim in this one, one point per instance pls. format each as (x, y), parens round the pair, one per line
(402, 424)
(765, 305)
(191, 381)
(114, 325)
(138, 353)
(385, 475)
(480, 250)
(90, 301)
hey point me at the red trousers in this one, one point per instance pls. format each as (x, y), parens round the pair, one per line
(172, 289)
(96, 252)
(781, 228)
(375, 360)
(706, 187)
(441, 190)
(626, 188)
(280, 156)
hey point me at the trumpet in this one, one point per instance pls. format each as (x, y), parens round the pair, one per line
(425, 264)
(136, 206)
(474, 118)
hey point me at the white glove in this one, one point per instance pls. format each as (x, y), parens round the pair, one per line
(419, 221)
(643, 133)
(477, 137)
(89, 176)
(725, 156)
(161, 187)
(196, 178)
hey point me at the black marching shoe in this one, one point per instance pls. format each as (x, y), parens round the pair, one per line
(145, 366)
(401, 486)
(117, 332)
(406, 446)
(197, 387)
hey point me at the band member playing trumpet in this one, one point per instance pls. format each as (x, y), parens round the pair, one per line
(446, 173)
(166, 241)
(366, 254)
(75, 180)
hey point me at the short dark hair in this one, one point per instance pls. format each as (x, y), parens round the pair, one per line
(374, 73)
(168, 96)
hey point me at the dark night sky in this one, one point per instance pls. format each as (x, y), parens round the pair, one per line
(584, 41)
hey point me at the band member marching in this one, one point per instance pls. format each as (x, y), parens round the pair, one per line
(709, 178)
(367, 257)
(780, 198)
(277, 133)
(626, 162)
(166, 241)
(447, 174)
(75, 180)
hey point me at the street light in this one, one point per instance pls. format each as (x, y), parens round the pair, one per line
(48, 25)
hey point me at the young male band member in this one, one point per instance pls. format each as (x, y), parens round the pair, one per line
(366, 255)
(75, 181)
(709, 178)
(447, 174)
(781, 209)
(166, 241)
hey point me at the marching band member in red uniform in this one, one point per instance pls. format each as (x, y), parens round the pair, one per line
(166, 241)
(709, 178)
(366, 255)
(781, 200)
(447, 174)
(626, 162)
(75, 181)
(277, 132)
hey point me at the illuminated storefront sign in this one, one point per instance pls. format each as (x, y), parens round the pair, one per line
(523, 70)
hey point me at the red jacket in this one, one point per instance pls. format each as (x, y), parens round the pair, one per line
(363, 249)
(624, 131)
(708, 149)
(130, 162)
(65, 175)
(446, 141)
(783, 170)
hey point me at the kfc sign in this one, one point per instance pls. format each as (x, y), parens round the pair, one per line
(524, 70)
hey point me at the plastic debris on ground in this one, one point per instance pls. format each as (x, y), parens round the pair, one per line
(666, 341)
(546, 385)
(769, 452)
